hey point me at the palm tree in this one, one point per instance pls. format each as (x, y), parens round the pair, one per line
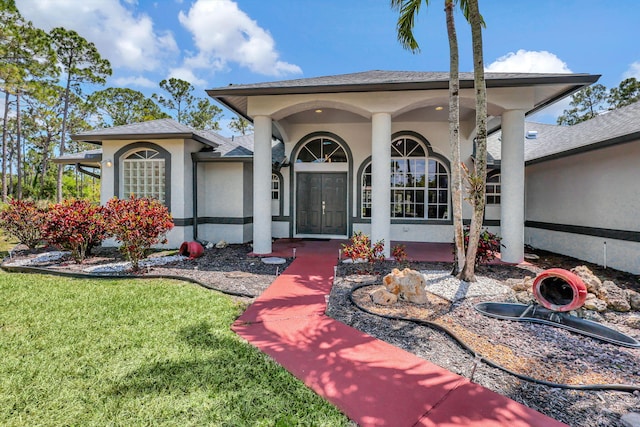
(408, 9)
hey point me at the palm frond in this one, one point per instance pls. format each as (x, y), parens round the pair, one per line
(408, 10)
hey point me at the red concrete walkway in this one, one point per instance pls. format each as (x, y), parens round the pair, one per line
(372, 382)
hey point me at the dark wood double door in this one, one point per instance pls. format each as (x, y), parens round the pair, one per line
(321, 203)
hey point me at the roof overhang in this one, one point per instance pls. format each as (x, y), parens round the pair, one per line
(98, 138)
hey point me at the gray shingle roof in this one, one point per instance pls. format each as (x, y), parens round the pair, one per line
(554, 141)
(158, 129)
(378, 77)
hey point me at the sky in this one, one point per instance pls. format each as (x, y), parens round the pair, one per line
(212, 43)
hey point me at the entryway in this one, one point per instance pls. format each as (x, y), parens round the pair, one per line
(321, 203)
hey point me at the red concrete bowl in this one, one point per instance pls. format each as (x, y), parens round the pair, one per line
(191, 249)
(559, 290)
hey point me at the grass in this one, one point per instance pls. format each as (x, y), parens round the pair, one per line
(108, 352)
(6, 244)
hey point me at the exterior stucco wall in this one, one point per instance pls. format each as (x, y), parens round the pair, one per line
(179, 181)
(597, 189)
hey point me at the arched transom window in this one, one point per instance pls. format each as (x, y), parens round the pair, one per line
(321, 150)
(419, 184)
(144, 175)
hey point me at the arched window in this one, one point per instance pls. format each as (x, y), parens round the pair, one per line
(493, 189)
(143, 174)
(321, 150)
(419, 183)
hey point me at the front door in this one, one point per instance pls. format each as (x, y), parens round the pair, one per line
(321, 200)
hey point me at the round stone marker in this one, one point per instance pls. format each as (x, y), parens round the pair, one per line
(274, 260)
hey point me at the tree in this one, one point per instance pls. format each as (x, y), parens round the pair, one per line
(123, 106)
(26, 57)
(585, 104)
(477, 197)
(180, 99)
(626, 93)
(204, 116)
(82, 63)
(240, 125)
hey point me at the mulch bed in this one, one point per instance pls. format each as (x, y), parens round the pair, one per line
(536, 350)
(539, 351)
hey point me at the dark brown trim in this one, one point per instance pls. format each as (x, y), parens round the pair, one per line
(607, 233)
(183, 222)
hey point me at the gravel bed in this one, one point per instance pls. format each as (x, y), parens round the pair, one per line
(531, 349)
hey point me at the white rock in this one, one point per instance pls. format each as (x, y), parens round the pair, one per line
(221, 244)
(274, 260)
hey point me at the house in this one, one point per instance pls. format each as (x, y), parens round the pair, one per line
(582, 194)
(319, 178)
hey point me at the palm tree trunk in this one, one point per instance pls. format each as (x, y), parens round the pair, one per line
(475, 19)
(454, 138)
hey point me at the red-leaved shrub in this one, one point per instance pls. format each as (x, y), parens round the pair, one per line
(360, 248)
(138, 224)
(488, 245)
(76, 226)
(24, 220)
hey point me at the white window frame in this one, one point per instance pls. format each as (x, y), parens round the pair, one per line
(144, 174)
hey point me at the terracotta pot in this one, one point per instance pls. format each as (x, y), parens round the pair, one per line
(559, 290)
(191, 249)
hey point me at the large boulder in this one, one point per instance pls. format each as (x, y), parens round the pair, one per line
(590, 280)
(615, 297)
(408, 285)
(593, 303)
(634, 299)
(382, 296)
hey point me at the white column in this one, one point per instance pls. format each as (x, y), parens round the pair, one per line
(512, 186)
(381, 191)
(262, 185)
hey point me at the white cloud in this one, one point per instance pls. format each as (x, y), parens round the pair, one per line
(136, 81)
(186, 74)
(126, 39)
(632, 71)
(223, 33)
(528, 61)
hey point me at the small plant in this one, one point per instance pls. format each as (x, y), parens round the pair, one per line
(76, 226)
(24, 220)
(399, 252)
(361, 249)
(488, 245)
(138, 224)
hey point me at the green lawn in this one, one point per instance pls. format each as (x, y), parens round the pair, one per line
(102, 352)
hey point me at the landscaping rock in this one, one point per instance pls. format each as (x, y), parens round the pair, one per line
(525, 297)
(590, 280)
(273, 260)
(408, 285)
(383, 297)
(593, 303)
(632, 419)
(221, 244)
(634, 299)
(519, 285)
(633, 322)
(615, 297)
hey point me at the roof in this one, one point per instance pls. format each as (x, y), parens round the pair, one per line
(235, 96)
(152, 129)
(554, 141)
(87, 158)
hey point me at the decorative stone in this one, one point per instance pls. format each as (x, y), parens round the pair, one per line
(273, 260)
(590, 280)
(519, 285)
(382, 296)
(525, 297)
(408, 285)
(531, 256)
(615, 297)
(221, 244)
(633, 322)
(634, 299)
(593, 303)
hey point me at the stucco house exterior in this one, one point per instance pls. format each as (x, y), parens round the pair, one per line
(331, 156)
(583, 187)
